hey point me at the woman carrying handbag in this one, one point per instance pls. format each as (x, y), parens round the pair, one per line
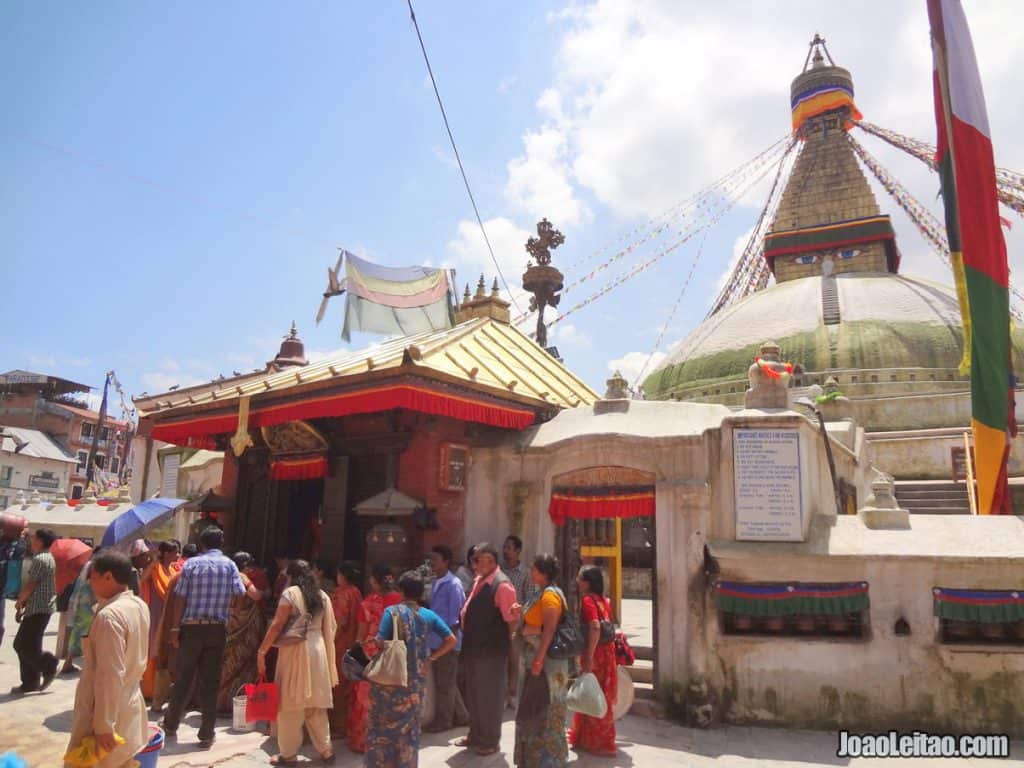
(393, 734)
(303, 630)
(592, 734)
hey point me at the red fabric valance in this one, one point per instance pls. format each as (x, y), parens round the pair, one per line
(564, 506)
(386, 398)
(305, 468)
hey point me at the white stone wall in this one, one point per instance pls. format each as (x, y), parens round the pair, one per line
(23, 468)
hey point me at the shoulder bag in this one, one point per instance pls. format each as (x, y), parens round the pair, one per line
(390, 666)
(295, 629)
(607, 626)
(568, 640)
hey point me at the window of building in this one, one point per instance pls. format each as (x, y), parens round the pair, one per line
(454, 466)
(83, 460)
(6, 473)
(115, 464)
(791, 609)
(101, 461)
(3, 502)
(986, 616)
(105, 433)
(87, 430)
(76, 491)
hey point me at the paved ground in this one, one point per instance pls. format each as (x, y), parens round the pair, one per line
(36, 726)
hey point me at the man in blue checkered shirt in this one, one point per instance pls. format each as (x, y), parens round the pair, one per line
(207, 584)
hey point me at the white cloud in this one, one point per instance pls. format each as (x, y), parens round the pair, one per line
(632, 363)
(507, 84)
(470, 258)
(539, 180)
(569, 335)
(446, 157)
(78, 362)
(161, 381)
(42, 361)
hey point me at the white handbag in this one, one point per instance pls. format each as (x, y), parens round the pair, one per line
(389, 666)
(586, 697)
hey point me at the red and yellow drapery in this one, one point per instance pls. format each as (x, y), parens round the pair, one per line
(199, 430)
(595, 503)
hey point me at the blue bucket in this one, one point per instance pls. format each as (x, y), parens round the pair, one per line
(149, 755)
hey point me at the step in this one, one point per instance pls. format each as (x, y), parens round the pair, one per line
(643, 691)
(929, 485)
(931, 494)
(829, 301)
(933, 501)
(940, 511)
(649, 708)
(642, 671)
(644, 652)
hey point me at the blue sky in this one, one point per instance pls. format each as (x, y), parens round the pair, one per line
(176, 178)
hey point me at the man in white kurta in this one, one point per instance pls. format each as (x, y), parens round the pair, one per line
(108, 700)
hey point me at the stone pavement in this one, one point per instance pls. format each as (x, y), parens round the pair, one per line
(36, 726)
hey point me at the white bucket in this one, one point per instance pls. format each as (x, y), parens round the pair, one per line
(238, 714)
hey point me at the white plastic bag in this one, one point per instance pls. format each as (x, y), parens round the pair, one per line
(586, 697)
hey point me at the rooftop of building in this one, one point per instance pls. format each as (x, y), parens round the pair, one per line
(480, 353)
(33, 443)
(19, 380)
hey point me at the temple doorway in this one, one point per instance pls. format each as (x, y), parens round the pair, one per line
(605, 517)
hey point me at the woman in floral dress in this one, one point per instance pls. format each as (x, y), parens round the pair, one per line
(596, 734)
(382, 595)
(393, 734)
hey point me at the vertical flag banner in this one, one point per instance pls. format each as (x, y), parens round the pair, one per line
(967, 169)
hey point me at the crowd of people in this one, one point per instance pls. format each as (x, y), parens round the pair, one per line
(186, 628)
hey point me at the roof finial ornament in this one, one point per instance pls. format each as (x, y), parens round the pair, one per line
(293, 333)
(480, 288)
(814, 54)
(494, 289)
(541, 279)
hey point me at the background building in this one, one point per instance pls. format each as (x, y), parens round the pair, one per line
(50, 405)
(32, 464)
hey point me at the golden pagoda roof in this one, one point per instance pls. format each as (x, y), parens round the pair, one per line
(481, 354)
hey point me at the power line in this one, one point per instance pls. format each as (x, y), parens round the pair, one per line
(455, 149)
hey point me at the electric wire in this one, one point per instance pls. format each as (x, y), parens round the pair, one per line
(458, 159)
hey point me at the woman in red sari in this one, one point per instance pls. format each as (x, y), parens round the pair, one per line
(382, 596)
(594, 734)
(345, 602)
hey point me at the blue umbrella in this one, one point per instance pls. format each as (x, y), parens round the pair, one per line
(138, 518)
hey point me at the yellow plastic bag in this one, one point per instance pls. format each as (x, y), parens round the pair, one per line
(87, 754)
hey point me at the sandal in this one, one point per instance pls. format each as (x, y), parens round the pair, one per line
(282, 760)
(463, 742)
(328, 759)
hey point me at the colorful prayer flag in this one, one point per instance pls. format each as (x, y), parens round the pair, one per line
(967, 169)
(395, 300)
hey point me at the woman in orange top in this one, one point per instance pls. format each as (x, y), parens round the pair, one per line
(543, 745)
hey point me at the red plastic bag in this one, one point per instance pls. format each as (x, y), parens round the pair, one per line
(261, 700)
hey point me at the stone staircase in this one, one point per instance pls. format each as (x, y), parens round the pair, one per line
(829, 301)
(933, 497)
(645, 703)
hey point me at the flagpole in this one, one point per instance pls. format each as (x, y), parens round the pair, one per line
(90, 470)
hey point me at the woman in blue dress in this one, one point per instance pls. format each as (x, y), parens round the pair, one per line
(393, 733)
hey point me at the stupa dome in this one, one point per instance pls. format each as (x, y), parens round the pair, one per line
(888, 321)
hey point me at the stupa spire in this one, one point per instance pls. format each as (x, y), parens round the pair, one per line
(828, 221)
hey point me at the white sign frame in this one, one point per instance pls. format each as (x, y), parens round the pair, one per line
(768, 491)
